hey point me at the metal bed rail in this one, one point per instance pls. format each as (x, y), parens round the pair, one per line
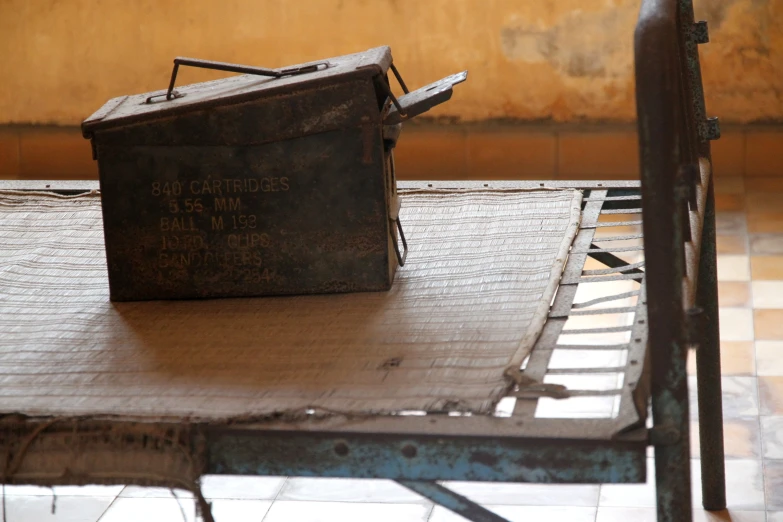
(678, 207)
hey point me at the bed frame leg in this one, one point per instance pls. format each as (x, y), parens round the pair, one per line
(668, 351)
(452, 501)
(670, 437)
(672, 483)
(713, 475)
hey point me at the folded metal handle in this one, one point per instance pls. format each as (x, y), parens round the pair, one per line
(230, 67)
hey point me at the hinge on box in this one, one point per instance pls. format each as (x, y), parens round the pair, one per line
(700, 33)
(709, 129)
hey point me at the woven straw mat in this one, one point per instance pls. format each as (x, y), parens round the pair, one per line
(470, 302)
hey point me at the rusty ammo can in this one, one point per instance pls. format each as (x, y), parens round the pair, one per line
(278, 181)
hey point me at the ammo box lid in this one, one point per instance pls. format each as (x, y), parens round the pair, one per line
(125, 110)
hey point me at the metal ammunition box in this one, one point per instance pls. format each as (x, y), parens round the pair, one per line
(278, 181)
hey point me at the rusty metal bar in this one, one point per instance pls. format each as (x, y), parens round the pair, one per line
(637, 374)
(594, 248)
(452, 501)
(574, 274)
(618, 269)
(614, 198)
(660, 124)
(632, 275)
(621, 211)
(617, 224)
(713, 473)
(595, 393)
(601, 311)
(619, 347)
(424, 458)
(606, 299)
(708, 356)
(617, 238)
(612, 261)
(563, 302)
(606, 329)
(587, 185)
(585, 371)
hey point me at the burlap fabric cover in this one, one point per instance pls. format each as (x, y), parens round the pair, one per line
(470, 302)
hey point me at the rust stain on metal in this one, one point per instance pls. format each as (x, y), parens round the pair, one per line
(481, 457)
(368, 145)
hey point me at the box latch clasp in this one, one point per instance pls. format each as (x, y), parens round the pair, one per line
(421, 100)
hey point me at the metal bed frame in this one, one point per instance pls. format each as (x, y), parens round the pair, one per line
(675, 293)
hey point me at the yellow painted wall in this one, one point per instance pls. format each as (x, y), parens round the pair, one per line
(565, 60)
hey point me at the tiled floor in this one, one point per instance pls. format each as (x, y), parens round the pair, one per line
(751, 291)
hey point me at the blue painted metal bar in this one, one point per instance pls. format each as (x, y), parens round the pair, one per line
(452, 501)
(429, 458)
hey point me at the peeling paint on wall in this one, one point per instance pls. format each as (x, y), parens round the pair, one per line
(580, 45)
(556, 60)
(743, 63)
